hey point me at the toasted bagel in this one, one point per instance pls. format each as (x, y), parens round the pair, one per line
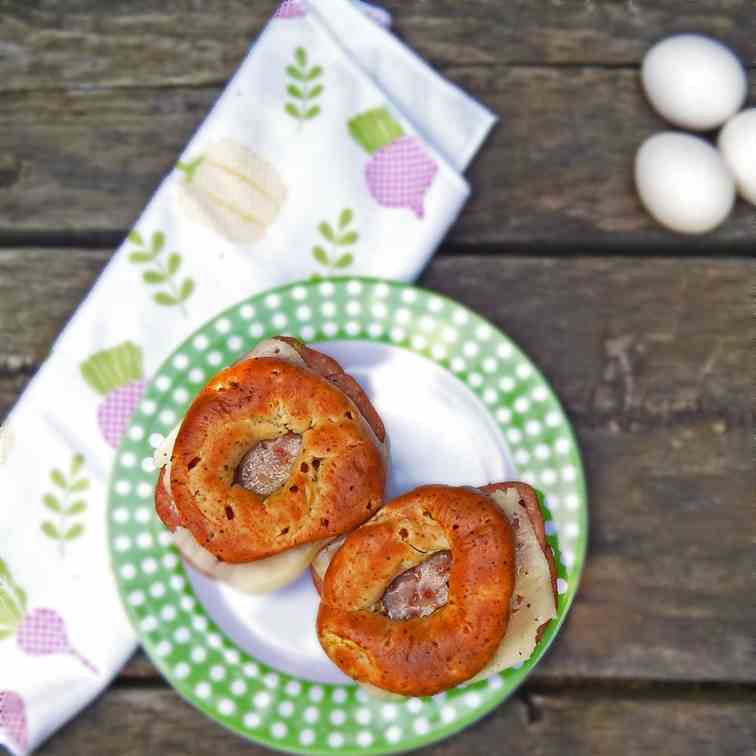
(425, 654)
(328, 482)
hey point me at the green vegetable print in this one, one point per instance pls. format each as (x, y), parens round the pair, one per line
(339, 240)
(163, 269)
(12, 602)
(304, 88)
(66, 504)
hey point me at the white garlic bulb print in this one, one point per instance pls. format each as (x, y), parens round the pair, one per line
(232, 190)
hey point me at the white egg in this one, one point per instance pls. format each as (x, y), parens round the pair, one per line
(737, 143)
(683, 182)
(694, 81)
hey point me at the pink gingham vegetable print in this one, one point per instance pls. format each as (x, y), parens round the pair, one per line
(400, 171)
(13, 720)
(43, 632)
(290, 9)
(114, 413)
(400, 174)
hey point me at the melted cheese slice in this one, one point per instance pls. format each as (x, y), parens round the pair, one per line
(532, 584)
(262, 576)
(324, 557)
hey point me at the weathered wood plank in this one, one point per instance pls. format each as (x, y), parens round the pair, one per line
(557, 170)
(653, 362)
(93, 43)
(625, 341)
(141, 721)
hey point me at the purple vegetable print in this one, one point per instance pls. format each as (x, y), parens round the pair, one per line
(43, 632)
(116, 374)
(38, 632)
(291, 9)
(13, 720)
(400, 171)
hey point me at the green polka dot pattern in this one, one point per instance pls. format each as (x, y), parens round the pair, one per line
(199, 660)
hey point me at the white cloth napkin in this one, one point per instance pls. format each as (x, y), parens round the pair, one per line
(334, 149)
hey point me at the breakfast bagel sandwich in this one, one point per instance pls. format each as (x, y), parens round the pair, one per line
(443, 586)
(277, 455)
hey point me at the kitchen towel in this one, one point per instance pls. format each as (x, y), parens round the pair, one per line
(333, 150)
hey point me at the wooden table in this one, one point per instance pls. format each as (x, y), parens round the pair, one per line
(646, 336)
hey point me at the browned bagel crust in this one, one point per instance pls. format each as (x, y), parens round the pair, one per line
(425, 655)
(333, 372)
(336, 483)
(529, 501)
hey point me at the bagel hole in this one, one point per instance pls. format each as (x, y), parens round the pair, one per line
(193, 463)
(420, 590)
(268, 464)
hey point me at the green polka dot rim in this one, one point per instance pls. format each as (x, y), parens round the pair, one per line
(200, 661)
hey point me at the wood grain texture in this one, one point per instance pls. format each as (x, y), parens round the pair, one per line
(90, 43)
(626, 342)
(659, 389)
(557, 170)
(156, 721)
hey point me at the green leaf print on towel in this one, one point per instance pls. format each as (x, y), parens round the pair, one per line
(12, 602)
(304, 88)
(65, 504)
(339, 241)
(164, 268)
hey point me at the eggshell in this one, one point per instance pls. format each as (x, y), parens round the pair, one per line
(694, 81)
(737, 143)
(683, 182)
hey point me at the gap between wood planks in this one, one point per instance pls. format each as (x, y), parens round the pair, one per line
(221, 82)
(671, 248)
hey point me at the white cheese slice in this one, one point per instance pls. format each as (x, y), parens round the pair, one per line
(162, 455)
(380, 693)
(262, 576)
(324, 556)
(533, 597)
(278, 349)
